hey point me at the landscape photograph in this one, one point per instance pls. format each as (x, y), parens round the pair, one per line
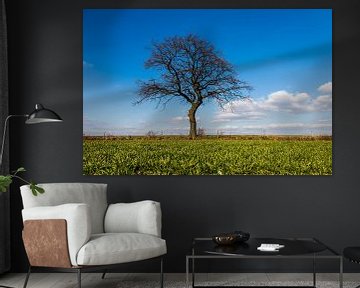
(207, 92)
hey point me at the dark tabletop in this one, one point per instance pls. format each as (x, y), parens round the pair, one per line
(292, 247)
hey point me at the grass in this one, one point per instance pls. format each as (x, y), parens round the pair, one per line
(209, 155)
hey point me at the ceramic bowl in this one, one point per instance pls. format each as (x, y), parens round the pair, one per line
(225, 239)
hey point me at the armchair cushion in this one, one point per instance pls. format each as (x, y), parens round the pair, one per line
(113, 248)
(78, 221)
(92, 194)
(138, 217)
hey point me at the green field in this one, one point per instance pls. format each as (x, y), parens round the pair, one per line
(207, 156)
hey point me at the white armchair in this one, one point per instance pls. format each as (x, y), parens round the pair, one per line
(72, 228)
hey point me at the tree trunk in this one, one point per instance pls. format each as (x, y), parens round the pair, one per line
(192, 119)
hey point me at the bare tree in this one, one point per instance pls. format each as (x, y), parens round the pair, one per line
(201, 132)
(192, 71)
(151, 134)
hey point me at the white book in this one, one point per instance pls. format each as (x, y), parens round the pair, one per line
(270, 247)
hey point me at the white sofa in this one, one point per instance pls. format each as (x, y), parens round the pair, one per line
(94, 235)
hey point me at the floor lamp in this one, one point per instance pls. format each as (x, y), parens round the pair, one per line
(39, 115)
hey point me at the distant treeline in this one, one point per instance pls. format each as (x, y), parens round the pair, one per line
(215, 137)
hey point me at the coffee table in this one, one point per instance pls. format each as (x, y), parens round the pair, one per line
(294, 248)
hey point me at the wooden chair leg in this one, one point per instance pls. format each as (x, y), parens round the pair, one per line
(27, 277)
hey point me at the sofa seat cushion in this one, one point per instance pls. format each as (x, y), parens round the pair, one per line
(113, 248)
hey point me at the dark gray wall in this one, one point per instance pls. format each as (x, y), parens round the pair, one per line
(45, 49)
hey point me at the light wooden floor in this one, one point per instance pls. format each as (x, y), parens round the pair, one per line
(68, 280)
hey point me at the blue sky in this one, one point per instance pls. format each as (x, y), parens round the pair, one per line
(284, 54)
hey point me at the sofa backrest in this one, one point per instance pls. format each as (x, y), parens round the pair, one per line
(92, 194)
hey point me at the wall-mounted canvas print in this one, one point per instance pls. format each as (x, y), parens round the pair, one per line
(207, 92)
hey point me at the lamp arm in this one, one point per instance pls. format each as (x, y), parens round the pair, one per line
(4, 134)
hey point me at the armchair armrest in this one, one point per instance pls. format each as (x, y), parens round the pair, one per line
(77, 219)
(138, 217)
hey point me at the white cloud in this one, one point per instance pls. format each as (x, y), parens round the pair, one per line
(323, 103)
(279, 101)
(325, 88)
(275, 126)
(229, 116)
(288, 102)
(238, 110)
(295, 128)
(87, 64)
(179, 119)
(297, 103)
(324, 120)
(229, 127)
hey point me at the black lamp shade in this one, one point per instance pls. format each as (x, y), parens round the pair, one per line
(42, 115)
